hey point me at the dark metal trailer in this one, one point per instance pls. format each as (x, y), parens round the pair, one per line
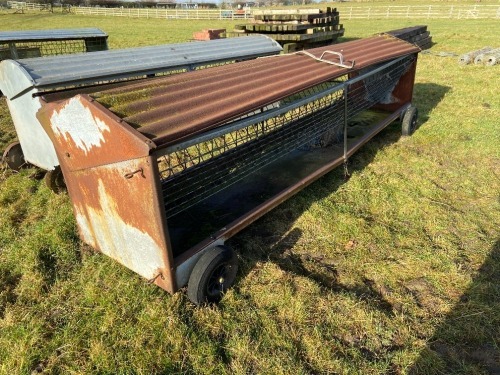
(162, 172)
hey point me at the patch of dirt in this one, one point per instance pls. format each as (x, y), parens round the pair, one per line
(489, 357)
(486, 356)
(384, 295)
(8, 284)
(424, 294)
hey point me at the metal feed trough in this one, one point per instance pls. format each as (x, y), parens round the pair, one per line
(161, 173)
(24, 81)
(37, 43)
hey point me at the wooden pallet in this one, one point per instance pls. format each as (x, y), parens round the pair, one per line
(294, 29)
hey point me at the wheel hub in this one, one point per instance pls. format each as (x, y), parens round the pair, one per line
(14, 156)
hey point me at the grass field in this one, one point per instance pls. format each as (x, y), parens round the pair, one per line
(394, 271)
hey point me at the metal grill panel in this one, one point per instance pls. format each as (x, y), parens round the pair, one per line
(313, 118)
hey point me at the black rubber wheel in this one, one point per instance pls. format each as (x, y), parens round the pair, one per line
(55, 180)
(14, 156)
(212, 275)
(410, 121)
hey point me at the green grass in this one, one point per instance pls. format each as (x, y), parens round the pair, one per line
(394, 271)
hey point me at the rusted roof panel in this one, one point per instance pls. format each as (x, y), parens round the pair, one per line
(171, 108)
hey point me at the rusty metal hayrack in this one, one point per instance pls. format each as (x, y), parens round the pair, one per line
(193, 170)
(160, 185)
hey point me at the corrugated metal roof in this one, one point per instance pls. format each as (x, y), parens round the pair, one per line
(53, 34)
(67, 70)
(171, 108)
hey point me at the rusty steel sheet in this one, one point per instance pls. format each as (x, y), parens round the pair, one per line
(98, 181)
(171, 108)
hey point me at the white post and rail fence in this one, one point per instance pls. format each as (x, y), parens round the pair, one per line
(347, 12)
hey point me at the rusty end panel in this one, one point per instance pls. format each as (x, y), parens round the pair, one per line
(403, 92)
(112, 182)
(86, 126)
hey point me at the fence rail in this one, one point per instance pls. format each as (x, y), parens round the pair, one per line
(193, 14)
(346, 12)
(420, 12)
(21, 5)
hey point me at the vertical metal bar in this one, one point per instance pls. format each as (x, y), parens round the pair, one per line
(346, 92)
(13, 50)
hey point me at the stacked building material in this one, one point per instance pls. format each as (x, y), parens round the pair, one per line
(208, 34)
(418, 35)
(295, 29)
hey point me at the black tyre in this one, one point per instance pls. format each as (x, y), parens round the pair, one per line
(410, 121)
(212, 275)
(14, 156)
(55, 180)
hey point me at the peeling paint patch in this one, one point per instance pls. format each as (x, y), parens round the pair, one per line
(117, 239)
(85, 227)
(76, 121)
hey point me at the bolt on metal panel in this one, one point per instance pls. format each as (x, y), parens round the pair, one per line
(99, 181)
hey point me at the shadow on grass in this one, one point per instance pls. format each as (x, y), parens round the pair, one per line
(8, 284)
(467, 342)
(272, 237)
(426, 96)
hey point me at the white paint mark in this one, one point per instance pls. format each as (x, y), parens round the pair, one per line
(117, 239)
(77, 122)
(85, 227)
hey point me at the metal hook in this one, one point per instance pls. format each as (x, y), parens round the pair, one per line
(131, 174)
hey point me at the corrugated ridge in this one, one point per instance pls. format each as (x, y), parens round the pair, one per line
(232, 91)
(153, 52)
(177, 91)
(175, 107)
(225, 75)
